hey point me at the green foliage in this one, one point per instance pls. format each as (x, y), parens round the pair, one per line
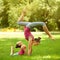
(5, 14)
(37, 10)
(57, 16)
(43, 11)
(1, 9)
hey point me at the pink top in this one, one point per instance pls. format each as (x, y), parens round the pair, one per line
(27, 33)
(21, 52)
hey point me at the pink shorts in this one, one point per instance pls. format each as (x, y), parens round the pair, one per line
(27, 33)
(21, 52)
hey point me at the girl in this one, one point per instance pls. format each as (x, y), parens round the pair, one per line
(22, 50)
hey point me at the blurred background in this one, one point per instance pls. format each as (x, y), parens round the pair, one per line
(47, 11)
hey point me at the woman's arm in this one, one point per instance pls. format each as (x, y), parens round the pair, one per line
(30, 43)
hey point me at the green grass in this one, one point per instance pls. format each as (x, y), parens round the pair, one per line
(46, 50)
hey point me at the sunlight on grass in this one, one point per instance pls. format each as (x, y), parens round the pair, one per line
(47, 50)
(2, 40)
(45, 57)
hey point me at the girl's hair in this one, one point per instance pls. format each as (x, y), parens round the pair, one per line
(18, 46)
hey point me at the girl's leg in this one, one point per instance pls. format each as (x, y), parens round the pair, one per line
(12, 50)
(15, 54)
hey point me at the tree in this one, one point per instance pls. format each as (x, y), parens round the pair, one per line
(4, 14)
(57, 15)
(37, 10)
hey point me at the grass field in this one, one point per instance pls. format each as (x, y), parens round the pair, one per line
(46, 50)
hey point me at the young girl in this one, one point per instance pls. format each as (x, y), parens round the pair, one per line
(22, 47)
(22, 50)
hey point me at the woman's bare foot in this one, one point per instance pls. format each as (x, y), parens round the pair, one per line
(51, 37)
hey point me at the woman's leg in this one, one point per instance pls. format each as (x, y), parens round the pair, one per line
(23, 23)
(34, 24)
(47, 31)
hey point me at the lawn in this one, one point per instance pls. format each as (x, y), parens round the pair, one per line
(47, 49)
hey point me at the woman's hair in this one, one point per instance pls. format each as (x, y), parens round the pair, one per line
(37, 39)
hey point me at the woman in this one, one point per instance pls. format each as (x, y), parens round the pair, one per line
(27, 30)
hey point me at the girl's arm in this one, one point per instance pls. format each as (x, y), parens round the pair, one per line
(24, 47)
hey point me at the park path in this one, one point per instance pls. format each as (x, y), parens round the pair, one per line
(21, 34)
(16, 34)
